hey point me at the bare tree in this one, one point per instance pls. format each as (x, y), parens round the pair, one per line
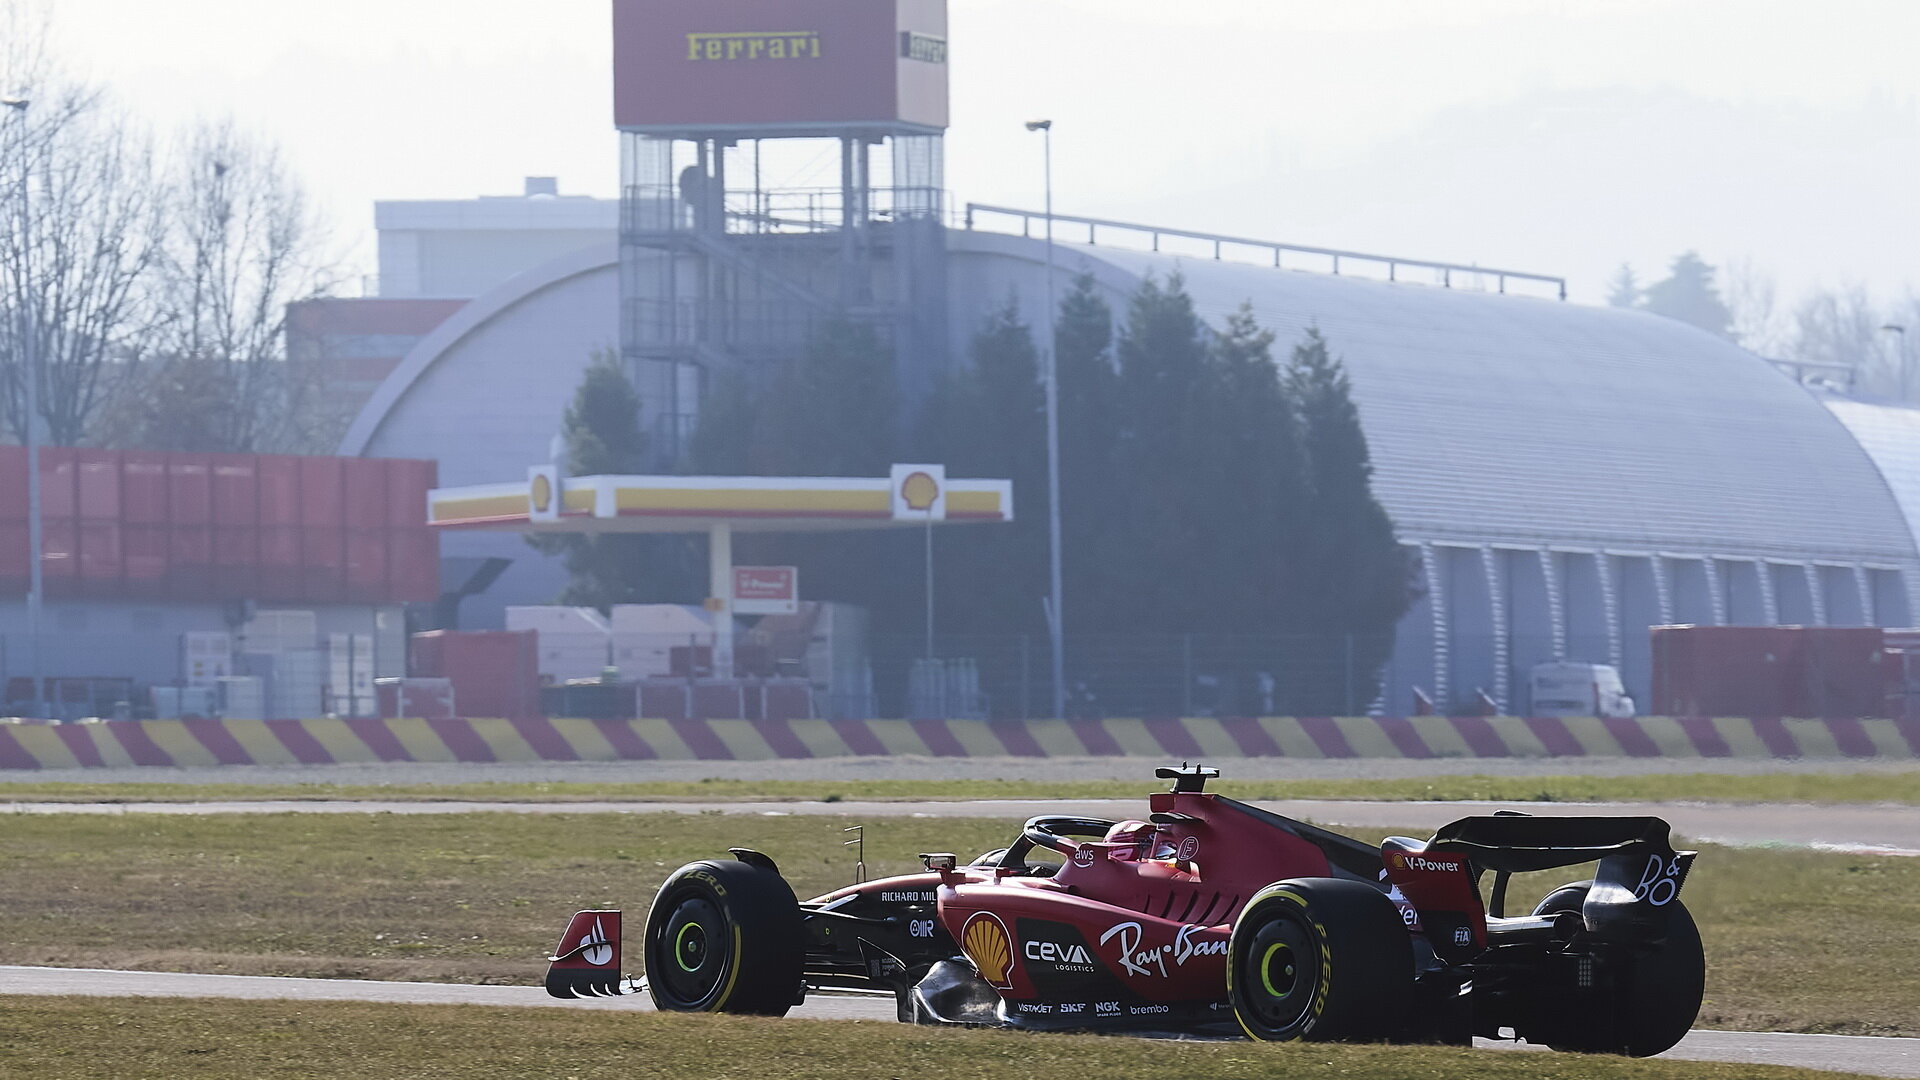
(1900, 339)
(241, 245)
(1841, 327)
(74, 258)
(1759, 323)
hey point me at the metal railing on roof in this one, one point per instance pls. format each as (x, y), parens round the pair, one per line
(1221, 245)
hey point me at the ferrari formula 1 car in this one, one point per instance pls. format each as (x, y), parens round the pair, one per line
(1210, 916)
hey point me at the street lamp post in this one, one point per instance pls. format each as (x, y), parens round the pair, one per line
(1899, 333)
(30, 365)
(1056, 618)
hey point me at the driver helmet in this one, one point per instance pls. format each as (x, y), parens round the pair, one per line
(1147, 840)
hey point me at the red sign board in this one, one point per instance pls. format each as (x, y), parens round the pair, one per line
(686, 65)
(766, 590)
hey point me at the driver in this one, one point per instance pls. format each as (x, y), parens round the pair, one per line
(1147, 840)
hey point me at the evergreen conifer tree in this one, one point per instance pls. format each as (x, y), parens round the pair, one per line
(835, 412)
(1360, 579)
(725, 442)
(1688, 294)
(1093, 491)
(1623, 290)
(1261, 523)
(1165, 456)
(989, 420)
(831, 412)
(603, 436)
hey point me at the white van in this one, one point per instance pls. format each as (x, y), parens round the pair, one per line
(1571, 688)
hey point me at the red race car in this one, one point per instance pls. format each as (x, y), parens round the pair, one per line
(1209, 916)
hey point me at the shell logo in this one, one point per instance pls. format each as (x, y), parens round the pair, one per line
(990, 947)
(542, 493)
(919, 491)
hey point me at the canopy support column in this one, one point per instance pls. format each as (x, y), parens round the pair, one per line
(720, 597)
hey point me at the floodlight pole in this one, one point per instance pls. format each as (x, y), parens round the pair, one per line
(1899, 336)
(1056, 619)
(30, 364)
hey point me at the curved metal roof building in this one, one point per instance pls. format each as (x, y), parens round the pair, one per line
(1567, 475)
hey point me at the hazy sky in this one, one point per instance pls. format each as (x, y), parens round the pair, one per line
(1562, 137)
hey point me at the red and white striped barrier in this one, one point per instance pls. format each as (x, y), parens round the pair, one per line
(330, 741)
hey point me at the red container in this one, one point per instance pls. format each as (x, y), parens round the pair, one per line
(664, 699)
(428, 699)
(200, 527)
(493, 672)
(413, 564)
(1845, 673)
(788, 699)
(1770, 671)
(719, 699)
(365, 498)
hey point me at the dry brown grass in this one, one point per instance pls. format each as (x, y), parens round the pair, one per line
(191, 1039)
(1878, 786)
(1796, 941)
(468, 898)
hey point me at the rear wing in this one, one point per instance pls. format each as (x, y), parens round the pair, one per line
(1639, 874)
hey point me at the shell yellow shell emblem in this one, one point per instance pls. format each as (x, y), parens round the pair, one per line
(542, 493)
(990, 947)
(919, 491)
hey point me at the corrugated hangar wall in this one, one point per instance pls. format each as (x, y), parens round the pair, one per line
(1565, 476)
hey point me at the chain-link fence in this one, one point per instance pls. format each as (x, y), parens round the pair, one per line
(1009, 677)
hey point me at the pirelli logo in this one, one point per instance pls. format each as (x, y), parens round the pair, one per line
(755, 45)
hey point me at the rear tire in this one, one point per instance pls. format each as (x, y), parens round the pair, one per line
(1320, 959)
(724, 936)
(1658, 995)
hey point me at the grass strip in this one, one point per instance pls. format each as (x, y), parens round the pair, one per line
(203, 1039)
(1837, 787)
(1796, 940)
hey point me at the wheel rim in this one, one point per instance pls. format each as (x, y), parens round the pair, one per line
(694, 951)
(1280, 972)
(690, 946)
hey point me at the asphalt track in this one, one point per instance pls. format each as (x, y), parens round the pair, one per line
(1872, 829)
(1874, 1056)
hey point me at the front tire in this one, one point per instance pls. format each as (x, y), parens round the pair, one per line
(1319, 959)
(724, 936)
(1657, 995)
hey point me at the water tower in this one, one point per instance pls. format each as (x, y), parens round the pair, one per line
(781, 165)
